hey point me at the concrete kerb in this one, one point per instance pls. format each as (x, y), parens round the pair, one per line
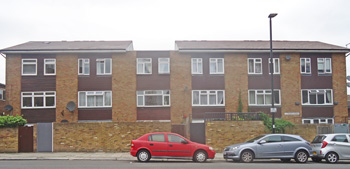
(75, 156)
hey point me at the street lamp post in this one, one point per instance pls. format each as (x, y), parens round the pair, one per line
(273, 109)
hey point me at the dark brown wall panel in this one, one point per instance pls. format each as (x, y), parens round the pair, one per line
(198, 112)
(154, 81)
(39, 115)
(315, 81)
(95, 114)
(309, 112)
(95, 82)
(153, 113)
(38, 82)
(207, 81)
(263, 81)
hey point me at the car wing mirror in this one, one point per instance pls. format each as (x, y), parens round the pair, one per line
(184, 142)
(262, 142)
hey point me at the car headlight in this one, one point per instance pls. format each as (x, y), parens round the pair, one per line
(234, 148)
(211, 148)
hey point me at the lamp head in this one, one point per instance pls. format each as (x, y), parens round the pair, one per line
(272, 15)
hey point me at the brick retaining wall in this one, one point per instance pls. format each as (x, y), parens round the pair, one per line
(8, 140)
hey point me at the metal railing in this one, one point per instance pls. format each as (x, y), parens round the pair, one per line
(218, 116)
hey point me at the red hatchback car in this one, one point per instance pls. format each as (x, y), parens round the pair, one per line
(169, 146)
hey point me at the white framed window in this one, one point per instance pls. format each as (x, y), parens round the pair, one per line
(208, 97)
(276, 65)
(254, 66)
(104, 66)
(324, 65)
(305, 65)
(144, 65)
(49, 66)
(216, 65)
(263, 97)
(34, 100)
(94, 99)
(153, 98)
(29, 67)
(318, 121)
(197, 66)
(163, 65)
(317, 96)
(83, 67)
(2, 94)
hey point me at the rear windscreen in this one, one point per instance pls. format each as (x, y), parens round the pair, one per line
(318, 139)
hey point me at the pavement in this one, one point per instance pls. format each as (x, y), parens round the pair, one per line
(75, 156)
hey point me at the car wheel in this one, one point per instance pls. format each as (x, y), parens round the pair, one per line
(247, 156)
(200, 156)
(285, 160)
(315, 159)
(301, 156)
(331, 157)
(143, 156)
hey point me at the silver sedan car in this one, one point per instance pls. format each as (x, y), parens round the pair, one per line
(270, 146)
(332, 147)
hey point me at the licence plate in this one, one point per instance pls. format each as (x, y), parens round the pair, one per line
(314, 153)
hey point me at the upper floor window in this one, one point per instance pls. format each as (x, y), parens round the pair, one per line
(163, 65)
(317, 96)
(144, 66)
(95, 99)
(2, 94)
(208, 98)
(153, 98)
(324, 65)
(38, 99)
(305, 65)
(263, 97)
(29, 66)
(83, 66)
(49, 66)
(216, 65)
(197, 66)
(104, 66)
(254, 66)
(276, 66)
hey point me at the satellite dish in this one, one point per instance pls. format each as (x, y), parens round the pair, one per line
(71, 106)
(8, 108)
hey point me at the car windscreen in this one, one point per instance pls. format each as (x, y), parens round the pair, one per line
(318, 139)
(254, 139)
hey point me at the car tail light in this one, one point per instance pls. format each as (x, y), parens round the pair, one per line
(132, 144)
(324, 144)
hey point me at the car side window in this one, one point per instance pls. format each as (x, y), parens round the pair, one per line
(288, 138)
(175, 139)
(272, 139)
(156, 137)
(340, 138)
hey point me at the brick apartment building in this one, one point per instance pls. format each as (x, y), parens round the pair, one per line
(109, 81)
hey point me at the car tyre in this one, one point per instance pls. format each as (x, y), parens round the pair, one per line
(315, 159)
(332, 157)
(247, 156)
(200, 156)
(301, 156)
(143, 156)
(285, 160)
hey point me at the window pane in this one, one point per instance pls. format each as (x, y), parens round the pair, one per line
(29, 69)
(27, 102)
(320, 67)
(328, 96)
(166, 100)
(99, 100)
(302, 63)
(276, 66)
(80, 66)
(204, 99)
(312, 98)
(50, 69)
(200, 66)
(260, 99)
(212, 67)
(38, 101)
(212, 99)
(153, 101)
(320, 98)
(305, 96)
(194, 66)
(251, 97)
(277, 97)
(108, 98)
(164, 68)
(268, 99)
(86, 68)
(251, 65)
(82, 99)
(220, 65)
(220, 97)
(90, 101)
(258, 68)
(328, 65)
(50, 101)
(195, 97)
(139, 68)
(157, 137)
(174, 139)
(148, 68)
(140, 100)
(108, 65)
(100, 67)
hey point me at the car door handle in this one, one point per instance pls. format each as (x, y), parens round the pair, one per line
(170, 145)
(151, 144)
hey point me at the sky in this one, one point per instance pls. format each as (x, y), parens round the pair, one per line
(156, 24)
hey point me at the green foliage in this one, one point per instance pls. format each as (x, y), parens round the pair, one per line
(240, 104)
(12, 121)
(280, 124)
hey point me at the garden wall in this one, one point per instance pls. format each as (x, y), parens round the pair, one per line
(8, 140)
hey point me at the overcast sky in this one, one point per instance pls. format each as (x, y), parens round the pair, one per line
(156, 24)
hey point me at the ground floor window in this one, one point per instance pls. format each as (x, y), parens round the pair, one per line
(318, 121)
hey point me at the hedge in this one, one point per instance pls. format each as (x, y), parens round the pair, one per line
(12, 121)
